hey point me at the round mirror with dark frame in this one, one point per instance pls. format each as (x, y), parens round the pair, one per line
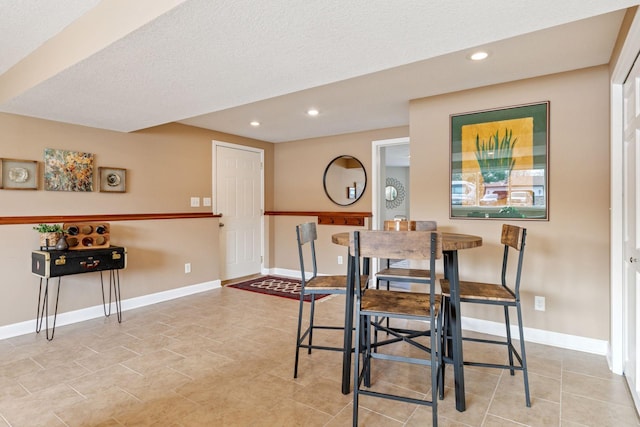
(345, 180)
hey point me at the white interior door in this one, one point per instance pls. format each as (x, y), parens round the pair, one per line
(239, 195)
(631, 229)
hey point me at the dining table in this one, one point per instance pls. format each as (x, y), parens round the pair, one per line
(451, 244)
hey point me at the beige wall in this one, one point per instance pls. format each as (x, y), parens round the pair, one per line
(299, 169)
(165, 166)
(567, 257)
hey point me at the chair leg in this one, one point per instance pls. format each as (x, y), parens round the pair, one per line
(295, 368)
(523, 355)
(356, 367)
(436, 355)
(441, 365)
(509, 343)
(312, 310)
(366, 355)
(445, 341)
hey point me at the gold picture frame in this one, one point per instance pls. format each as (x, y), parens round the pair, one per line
(16, 174)
(112, 180)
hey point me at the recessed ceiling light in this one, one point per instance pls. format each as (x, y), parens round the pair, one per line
(313, 112)
(478, 56)
(255, 123)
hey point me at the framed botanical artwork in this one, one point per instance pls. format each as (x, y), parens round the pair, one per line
(18, 174)
(113, 180)
(67, 170)
(500, 163)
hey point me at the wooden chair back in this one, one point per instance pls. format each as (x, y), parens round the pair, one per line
(426, 225)
(513, 237)
(413, 245)
(405, 225)
(307, 234)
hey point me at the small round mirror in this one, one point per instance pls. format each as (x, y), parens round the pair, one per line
(345, 180)
(394, 193)
(390, 193)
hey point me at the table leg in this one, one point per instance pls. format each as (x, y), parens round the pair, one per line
(43, 296)
(114, 286)
(43, 309)
(115, 281)
(348, 327)
(451, 273)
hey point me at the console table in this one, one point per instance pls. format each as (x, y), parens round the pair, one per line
(54, 263)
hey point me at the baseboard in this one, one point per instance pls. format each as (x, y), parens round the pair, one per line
(89, 313)
(555, 339)
(294, 274)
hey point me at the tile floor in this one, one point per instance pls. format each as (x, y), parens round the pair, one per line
(225, 358)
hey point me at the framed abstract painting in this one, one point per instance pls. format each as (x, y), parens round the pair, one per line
(67, 170)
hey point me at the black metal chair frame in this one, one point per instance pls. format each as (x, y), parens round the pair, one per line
(307, 235)
(366, 321)
(515, 302)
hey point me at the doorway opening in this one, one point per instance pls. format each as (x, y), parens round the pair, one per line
(390, 183)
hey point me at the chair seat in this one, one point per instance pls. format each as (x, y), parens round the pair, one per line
(326, 283)
(388, 303)
(403, 274)
(479, 291)
(329, 284)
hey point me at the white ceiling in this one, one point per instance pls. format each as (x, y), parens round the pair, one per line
(219, 64)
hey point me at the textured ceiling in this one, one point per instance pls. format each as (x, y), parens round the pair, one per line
(220, 64)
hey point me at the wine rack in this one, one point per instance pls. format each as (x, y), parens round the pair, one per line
(87, 235)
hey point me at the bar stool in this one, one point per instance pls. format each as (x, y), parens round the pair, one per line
(409, 306)
(513, 238)
(315, 285)
(399, 274)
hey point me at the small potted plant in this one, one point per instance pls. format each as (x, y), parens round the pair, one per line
(49, 234)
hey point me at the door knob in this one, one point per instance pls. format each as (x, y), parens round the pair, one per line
(632, 259)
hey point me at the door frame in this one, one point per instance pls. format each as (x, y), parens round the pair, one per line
(621, 69)
(214, 169)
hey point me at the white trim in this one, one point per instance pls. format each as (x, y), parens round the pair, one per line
(623, 65)
(555, 339)
(294, 274)
(616, 343)
(96, 311)
(214, 143)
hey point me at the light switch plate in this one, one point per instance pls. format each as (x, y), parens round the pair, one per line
(206, 201)
(195, 202)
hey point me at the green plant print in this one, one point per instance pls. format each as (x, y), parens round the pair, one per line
(495, 156)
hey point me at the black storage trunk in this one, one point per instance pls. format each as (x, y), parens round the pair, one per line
(63, 263)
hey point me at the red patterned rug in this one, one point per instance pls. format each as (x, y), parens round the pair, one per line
(285, 287)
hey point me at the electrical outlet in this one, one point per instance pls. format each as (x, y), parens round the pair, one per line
(206, 201)
(339, 259)
(187, 268)
(539, 303)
